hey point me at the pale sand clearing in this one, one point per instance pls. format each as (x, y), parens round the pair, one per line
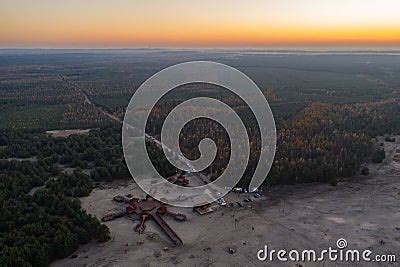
(66, 133)
(363, 210)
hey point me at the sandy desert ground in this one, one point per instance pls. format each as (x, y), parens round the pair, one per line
(363, 210)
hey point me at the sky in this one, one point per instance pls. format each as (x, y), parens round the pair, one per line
(198, 23)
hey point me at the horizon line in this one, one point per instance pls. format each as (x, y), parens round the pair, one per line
(252, 48)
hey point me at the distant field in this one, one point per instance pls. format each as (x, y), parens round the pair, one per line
(43, 117)
(32, 93)
(111, 102)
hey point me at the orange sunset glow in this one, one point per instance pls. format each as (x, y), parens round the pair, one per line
(207, 23)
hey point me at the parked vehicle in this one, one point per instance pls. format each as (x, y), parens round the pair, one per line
(221, 201)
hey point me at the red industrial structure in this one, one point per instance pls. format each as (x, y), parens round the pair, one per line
(145, 208)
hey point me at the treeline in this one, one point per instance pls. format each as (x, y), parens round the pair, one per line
(39, 227)
(315, 146)
(321, 143)
(99, 151)
(327, 141)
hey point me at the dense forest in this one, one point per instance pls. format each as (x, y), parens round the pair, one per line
(40, 180)
(38, 227)
(318, 144)
(41, 216)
